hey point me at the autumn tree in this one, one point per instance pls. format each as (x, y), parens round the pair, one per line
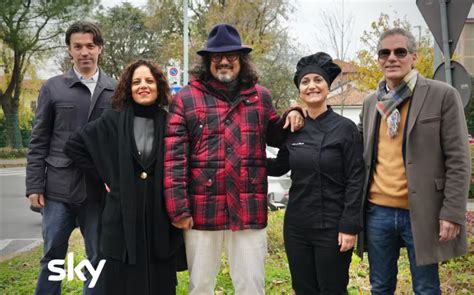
(368, 71)
(338, 25)
(29, 29)
(127, 37)
(278, 68)
(165, 17)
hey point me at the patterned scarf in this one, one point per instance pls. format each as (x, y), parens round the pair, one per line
(388, 102)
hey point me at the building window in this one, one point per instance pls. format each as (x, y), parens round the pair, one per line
(465, 48)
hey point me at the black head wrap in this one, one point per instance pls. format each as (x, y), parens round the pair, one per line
(319, 63)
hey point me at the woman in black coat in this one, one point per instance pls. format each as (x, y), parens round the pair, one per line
(327, 172)
(124, 149)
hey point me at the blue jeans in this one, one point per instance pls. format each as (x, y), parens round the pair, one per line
(59, 220)
(389, 229)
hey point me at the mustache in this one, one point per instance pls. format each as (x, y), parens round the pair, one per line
(225, 67)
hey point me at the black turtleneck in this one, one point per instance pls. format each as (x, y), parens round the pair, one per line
(145, 111)
(143, 128)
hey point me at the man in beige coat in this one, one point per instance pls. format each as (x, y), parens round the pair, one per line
(418, 170)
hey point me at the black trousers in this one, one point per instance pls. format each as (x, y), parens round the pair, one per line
(316, 264)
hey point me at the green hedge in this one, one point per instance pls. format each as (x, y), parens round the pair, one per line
(3, 133)
(25, 134)
(9, 153)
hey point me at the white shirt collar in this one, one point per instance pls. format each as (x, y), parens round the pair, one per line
(93, 78)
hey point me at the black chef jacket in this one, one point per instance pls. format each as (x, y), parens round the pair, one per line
(327, 173)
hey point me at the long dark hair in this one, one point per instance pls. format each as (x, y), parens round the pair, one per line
(247, 77)
(123, 93)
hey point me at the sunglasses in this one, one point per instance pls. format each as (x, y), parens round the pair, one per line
(231, 57)
(384, 53)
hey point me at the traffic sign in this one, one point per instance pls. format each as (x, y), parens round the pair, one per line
(174, 74)
(461, 80)
(175, 88)
(457, 12)
(173, 71)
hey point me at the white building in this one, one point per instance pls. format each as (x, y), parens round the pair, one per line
(345, 97)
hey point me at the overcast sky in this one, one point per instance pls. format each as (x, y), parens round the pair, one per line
(304, 24)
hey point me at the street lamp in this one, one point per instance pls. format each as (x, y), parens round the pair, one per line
(419, 34)
(185, 42)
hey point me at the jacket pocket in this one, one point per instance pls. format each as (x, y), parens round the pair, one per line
(59, 176)
(201, 180)
(257, 182)
(58, 162)
(65, 117)
(196, 128)
(429, 119)
(198, 136)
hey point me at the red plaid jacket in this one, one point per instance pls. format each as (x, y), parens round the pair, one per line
(215, 157)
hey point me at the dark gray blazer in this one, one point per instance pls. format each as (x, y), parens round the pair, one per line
(64, 105)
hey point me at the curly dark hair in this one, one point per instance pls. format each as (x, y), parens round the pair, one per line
(123, 93)
(248, 73)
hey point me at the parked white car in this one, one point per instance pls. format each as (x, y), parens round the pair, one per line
(278, 187)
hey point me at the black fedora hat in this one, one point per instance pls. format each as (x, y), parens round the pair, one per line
(224, 38)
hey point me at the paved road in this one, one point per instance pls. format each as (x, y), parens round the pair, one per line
(20, 228)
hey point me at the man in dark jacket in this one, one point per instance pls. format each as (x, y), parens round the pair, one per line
(65, 103)
(215, 178)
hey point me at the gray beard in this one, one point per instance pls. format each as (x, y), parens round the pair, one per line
(225, 78)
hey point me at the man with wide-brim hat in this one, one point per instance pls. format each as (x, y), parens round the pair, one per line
(224, 38)
(215, 179)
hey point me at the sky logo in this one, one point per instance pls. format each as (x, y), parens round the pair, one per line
(60, 273)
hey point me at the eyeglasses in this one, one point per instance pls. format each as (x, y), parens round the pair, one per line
(231, 57)
(384, 53)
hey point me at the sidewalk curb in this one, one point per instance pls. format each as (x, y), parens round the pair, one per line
(2, 166)
(21, 251)
(11, 163)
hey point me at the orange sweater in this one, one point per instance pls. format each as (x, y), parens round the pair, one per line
(389, 185)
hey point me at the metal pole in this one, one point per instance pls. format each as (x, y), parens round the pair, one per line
(445, 34)
(419, 34)
(437, 56)
(185, 43)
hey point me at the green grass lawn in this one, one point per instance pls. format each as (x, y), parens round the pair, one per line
(18, 275)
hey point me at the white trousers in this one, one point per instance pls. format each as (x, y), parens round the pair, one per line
(246, 251)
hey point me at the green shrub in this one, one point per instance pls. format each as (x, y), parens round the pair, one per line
(25, 137)
(3, 133)
(9, 153)
(25, 130)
